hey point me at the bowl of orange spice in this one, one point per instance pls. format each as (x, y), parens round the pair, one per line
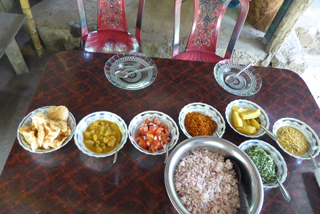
(198, 119)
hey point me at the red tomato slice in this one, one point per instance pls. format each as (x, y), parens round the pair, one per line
(158, 131)
(137, 139)
(143, 129)
(156, 119)
(151, 148)
(167, 131)
(147, 121)
(156, 143)
(152, 129)
(143, 143)
(159, 147)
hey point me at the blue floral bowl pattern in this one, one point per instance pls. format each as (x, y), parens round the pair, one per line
(264, 119)
(306, 130)
(88, 120)
(140, 118)
(276, 156)
(27, 121)
(206, 110)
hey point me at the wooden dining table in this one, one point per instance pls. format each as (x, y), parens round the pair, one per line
(69, 181)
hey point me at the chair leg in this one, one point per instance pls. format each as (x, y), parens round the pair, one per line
(15, 57)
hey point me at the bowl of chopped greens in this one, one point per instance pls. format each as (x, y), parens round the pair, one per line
(268, 161)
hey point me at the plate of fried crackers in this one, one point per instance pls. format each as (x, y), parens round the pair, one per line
(46, 129)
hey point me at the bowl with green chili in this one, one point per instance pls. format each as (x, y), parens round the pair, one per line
(268, 161)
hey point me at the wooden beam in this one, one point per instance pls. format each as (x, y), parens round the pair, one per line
(32, 27)
(286, 25)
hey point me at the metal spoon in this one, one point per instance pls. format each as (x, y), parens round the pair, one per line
(283, 190)
(167, 151)
(316, 166)
(273, 136)
(244, 206)
(231, 78)
(215, 131)
(125, 74)
(116, 154)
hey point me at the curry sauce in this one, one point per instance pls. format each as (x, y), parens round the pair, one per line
(102, 136)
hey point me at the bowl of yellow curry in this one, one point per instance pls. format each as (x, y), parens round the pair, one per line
(294, 136)
(99, 133)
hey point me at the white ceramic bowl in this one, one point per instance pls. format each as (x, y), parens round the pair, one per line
(276, 156)
(27, 121)
(204, 109)
(306, 130)
(264, 119)
(140, 118)
(88, 120)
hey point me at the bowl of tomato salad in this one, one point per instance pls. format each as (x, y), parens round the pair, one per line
(152, 131)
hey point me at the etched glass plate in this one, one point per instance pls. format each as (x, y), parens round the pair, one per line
(247, 83)
(130, 62)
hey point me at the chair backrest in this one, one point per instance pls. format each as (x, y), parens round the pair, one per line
(111, 16)
(205, 29)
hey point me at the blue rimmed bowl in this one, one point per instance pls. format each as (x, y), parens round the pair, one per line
(138, 120)
(276, 156)
(306, 130)
(27, 121)
(88, 120)
(204, 109)
(264, 119)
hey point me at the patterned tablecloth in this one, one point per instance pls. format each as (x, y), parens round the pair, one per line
(68, 181)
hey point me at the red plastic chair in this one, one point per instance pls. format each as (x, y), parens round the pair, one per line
(112, 34)
(207, 18)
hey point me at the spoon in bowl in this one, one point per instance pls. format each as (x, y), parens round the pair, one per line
(124, 74)
(244, 206)
(116, 154)
(167, 153)
(316, 165)
(231, 78)
(273, 136)
(283, 190)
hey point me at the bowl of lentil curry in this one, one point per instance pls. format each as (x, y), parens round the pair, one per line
(198, 119)
(293, 136)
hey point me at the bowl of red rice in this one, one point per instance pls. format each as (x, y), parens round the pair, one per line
(199, 119)
(199, 177)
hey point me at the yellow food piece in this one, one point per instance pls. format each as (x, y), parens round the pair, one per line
(248, 130)
(236, 119)
(246, 122)
(86, 134)
(250, 114)
(240, 109)
(88, 142)
(254, 123)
